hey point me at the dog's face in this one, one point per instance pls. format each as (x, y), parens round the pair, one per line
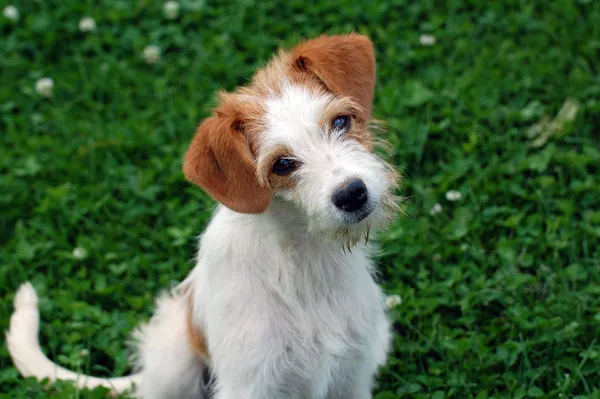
(316, 152)
(300, 133)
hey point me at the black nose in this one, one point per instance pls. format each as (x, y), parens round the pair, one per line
(351, 196)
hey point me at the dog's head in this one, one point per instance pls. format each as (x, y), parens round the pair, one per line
(300, 133)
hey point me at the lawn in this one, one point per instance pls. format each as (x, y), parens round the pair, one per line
(493, 110)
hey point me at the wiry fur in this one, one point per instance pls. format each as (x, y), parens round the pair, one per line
(282, 302)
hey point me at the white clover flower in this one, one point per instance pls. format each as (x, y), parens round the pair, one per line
(84, 352)
(11, 12)
(393, 301)
(44, 87)
(79, 253)
(437, 208)
(87, 24)
(151, 54)
(36, 118)
(437, 257)
(427, 39)
(453, 195)
(171, 9)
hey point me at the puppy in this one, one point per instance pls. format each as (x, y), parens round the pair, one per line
(282, 302)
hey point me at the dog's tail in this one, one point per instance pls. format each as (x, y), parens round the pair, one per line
(27, 355)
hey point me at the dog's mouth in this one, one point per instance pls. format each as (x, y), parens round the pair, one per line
(359, 215)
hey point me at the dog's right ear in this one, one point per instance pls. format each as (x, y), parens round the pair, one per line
(220, 161)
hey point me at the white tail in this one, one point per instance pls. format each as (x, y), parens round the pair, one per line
(24, 347)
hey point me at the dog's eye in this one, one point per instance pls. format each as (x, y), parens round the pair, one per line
(284, 166)
(341, 123)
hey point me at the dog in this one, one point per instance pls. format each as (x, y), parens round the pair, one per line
(282, 302)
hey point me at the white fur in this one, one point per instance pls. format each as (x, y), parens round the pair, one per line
(24, 348)
(292, 120)
(168, 365)
(287, 314)
(287, 311)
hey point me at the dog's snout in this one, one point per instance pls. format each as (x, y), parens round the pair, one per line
(352, 196)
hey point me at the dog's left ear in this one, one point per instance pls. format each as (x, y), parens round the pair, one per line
(345, 64)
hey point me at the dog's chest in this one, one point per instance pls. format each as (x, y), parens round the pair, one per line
(328, 317)
(331, 326)
(297, 303)
(330, 301)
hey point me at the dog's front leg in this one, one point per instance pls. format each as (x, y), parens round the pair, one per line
(255, 369)
(252, 348)
(354, 379)
(357, 373)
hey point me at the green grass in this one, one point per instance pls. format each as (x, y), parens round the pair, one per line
(501, 290)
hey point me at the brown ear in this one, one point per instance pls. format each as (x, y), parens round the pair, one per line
(344, 63)
(220, 161)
